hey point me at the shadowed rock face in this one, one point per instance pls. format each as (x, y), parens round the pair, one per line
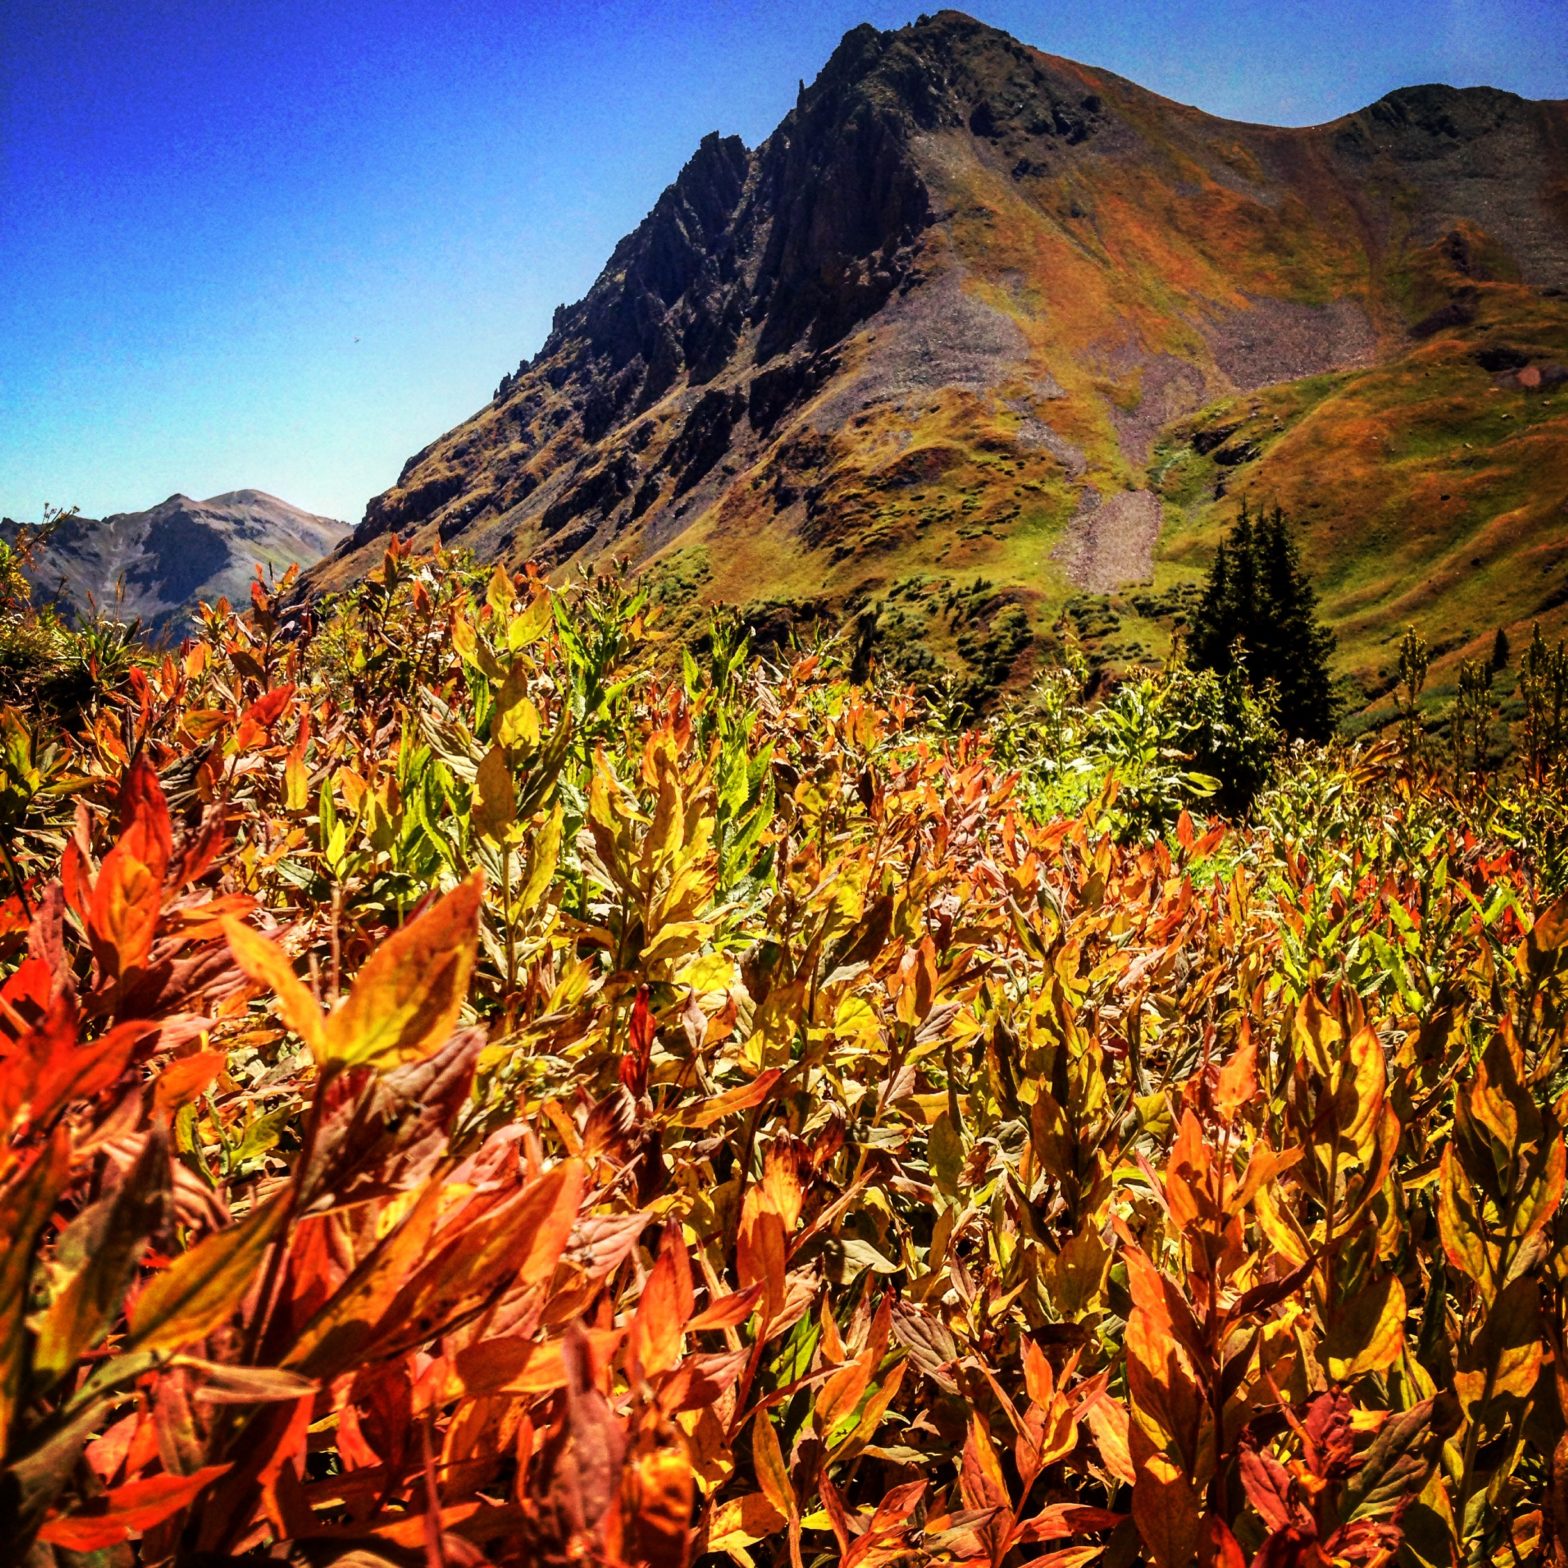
(158, 565)
(1022, 268)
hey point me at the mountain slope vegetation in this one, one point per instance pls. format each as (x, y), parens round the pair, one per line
(985, 344)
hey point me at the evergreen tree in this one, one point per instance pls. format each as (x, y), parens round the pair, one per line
(1258, 598)
(1208, 642)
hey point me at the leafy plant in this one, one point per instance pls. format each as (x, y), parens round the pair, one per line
(505, 1100)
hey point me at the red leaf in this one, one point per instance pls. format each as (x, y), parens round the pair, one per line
(634, 1064)
(728, 1311)
(1267, 1485)
(267, 709)
(145, 830)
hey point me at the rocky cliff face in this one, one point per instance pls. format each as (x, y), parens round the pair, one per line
(965, 312)
(157, 566)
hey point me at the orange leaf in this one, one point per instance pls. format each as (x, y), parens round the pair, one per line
(772, 1473)
(145, 830)
(408, 1289)
(517, 1366)
(653, 1512)
(181, 1080)
(1108, 1425)
(129, 1509)
(760, 1250)
(1167, 1509)
(742, 1522)
(742, 1098)
(77, 1072)
(1171, 1434)
(123, 917)
(980, 1479)
(1237, 1085)
(654, 1344)
(727, 1311)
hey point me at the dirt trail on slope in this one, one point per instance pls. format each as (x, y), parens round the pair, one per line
(1109, 543)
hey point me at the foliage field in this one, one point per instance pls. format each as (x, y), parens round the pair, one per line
(474, 1094)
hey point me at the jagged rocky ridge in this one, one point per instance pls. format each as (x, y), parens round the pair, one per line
(948, 319)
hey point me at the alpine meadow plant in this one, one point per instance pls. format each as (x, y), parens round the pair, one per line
(479, 1087)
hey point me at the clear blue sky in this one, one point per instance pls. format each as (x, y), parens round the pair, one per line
(284, 244)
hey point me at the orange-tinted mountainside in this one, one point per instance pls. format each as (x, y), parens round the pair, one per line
(991, 342)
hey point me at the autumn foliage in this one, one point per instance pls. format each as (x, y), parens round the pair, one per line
(470, 1097)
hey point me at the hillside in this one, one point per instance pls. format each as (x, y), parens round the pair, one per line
(990, 342)
(174, 555)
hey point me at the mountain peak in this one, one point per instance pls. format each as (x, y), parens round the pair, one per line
(156, 565)
(943, 319)
(252, 498)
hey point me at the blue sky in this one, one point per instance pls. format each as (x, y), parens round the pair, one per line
(284, 245)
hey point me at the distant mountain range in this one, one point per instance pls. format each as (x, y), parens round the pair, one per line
(977, 312)
(157, 565)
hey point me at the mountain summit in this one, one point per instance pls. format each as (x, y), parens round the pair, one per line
(976, 312)
(157, 565)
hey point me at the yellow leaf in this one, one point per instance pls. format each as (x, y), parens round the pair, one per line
(708, 973)
(268, 965)
(1460, 1223)
(464, 639)
(1369, 1332)
(406, 1000)
(195, 1295)
(517, 719)
(296, 783)
(500, 592)
(495, 799)
(544, 854)
(1503, 1359)
(531, 625)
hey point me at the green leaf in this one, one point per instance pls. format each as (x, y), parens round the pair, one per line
(26, 1203)
(1399, 1461)
(96, 1260)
